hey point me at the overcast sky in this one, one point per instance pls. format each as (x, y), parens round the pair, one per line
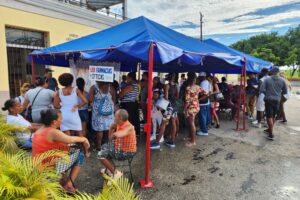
(224, 20)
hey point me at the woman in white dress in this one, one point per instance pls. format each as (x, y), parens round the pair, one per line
(66, 99)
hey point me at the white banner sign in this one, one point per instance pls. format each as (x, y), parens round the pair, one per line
(101, 73)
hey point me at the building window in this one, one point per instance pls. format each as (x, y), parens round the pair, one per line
(20, 43)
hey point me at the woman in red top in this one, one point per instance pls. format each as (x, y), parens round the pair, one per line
(48, 137)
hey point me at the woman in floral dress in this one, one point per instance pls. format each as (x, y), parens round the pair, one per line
(191, 107)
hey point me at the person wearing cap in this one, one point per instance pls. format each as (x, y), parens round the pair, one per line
(52, 82)
(204, 114)
(273, 88)
(260, 104)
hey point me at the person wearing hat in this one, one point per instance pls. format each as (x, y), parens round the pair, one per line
(204, 114)
(52, 82)
(273, 88)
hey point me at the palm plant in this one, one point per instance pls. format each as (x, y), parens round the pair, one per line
(119, 189)
(23, 177)
(7, 136)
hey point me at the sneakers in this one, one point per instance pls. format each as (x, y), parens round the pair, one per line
(258, 125)
(200, 133)
(155, 146)
(170, 144)
(218, 126)
(270, 137)
(267, 131)
(250, 117)
(255, 122)
(161, 139)
(153, 137)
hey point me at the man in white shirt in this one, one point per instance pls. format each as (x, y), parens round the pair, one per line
(204, 114)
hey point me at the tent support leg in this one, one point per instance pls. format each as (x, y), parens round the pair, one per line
(242, 100)
(245, 101)
(33, 73)
(147, 183)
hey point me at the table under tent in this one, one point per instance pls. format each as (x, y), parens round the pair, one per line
(155, 48)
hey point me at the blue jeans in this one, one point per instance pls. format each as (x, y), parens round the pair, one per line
(204, 118)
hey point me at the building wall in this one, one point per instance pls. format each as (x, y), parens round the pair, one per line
(58, 31)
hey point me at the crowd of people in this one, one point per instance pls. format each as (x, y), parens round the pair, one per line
(111, 114)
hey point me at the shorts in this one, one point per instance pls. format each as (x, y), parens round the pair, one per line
(76, 159)
(169, 113)
(272, 107)
(260, 103)
(80, 160)
(108, 151)
(84, 115)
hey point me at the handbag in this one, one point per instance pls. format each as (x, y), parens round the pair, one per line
(219, 96)
(29, 109)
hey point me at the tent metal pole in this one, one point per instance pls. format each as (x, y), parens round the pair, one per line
(33, 72)
(245, 101)
(147, 183)
(239, 102)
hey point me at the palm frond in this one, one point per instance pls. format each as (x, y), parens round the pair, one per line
(7, 136)
(23, 177)
(120, 189)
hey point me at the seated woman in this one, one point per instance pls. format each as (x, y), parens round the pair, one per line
(124, 145)
(14, 109)
(48, 137)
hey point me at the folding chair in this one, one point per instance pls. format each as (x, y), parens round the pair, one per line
(120, 155)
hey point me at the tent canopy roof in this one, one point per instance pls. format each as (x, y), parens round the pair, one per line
(129, 42)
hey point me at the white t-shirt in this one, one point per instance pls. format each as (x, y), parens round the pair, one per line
(19, 121)
(205, 85)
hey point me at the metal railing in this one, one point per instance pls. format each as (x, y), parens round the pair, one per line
(86, 6)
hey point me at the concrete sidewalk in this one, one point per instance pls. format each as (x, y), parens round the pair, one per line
(224, 165)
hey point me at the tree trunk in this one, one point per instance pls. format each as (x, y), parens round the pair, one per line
(295, 67)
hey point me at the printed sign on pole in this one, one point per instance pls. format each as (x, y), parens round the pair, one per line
(101, 73)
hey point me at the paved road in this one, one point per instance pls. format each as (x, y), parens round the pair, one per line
(225, 165)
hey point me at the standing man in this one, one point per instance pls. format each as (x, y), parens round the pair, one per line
(52, 82)
(273, 88)
(204, 114)
(182, 79)
(251, 91)
(260, 103)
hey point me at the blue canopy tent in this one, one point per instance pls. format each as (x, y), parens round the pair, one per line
(253, 64)
(155, 47)
(129, 42)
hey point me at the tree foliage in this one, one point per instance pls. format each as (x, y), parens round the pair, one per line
(279, 49)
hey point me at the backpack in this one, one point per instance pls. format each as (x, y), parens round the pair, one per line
(105, 107)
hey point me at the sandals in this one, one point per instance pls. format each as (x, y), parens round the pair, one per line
(190, 144)
(70, 189)
(105, 171)
(186, 139)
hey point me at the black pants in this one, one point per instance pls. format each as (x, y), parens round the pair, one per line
(133, 111)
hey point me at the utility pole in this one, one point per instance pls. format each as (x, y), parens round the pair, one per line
(201, 23)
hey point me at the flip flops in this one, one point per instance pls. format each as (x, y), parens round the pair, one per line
(190, 144)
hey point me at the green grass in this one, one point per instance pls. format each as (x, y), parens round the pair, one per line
(289, 74)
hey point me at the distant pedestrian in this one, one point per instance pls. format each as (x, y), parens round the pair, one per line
(251, 91)
(52, 82)
(284, 98)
